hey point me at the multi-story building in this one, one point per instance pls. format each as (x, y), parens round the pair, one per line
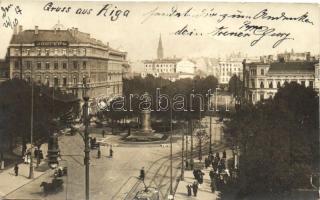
(4, 70)
(230, 66)
(262, 80)
(161, 67)
(65, 59)
(317, 78)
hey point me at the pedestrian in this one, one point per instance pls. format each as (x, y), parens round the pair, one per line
(211, 174)
(195, 188)
(189, 189)
(103, 132)
(142, 174)
(111, 152)
(224, 154)
(99, 152)
(16, 169)
(206, 163)
(200, 179)
(213, 185)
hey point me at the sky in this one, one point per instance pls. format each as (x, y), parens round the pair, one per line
(138, 35)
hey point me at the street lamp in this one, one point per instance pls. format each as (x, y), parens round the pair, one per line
(31, 175)
(171, 133)
(86, 137)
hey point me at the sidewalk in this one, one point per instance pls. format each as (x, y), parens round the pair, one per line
(9, 182)
(204, 191)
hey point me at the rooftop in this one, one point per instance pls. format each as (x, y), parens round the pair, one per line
(292, 67)
(70, 35)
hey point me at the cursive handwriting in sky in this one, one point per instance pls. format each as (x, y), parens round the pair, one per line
(188, 29)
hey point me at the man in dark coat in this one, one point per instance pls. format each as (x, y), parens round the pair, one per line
(16, 169)
(195, 188)
(142, 174)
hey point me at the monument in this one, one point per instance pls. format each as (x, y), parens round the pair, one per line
(145, 133)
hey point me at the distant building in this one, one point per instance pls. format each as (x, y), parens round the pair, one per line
(262, 80)
(231, 65)
(293, 56)
(66, 59)
(4, 70)
(317, 78)
(161, 67)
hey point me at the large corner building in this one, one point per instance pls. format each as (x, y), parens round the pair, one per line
(66, 59)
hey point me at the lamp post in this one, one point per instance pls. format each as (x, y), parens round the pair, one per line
(171, 133)
(86, 137)
(182, 155)
(31, 175)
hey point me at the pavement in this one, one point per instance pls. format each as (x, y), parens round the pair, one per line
(204, 191)
(13, 182)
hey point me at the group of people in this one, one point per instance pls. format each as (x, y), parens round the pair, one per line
(218, 174)
(193, 188)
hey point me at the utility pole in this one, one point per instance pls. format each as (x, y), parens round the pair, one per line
(171, 190)
(31, 128)
(182, 155)
(191, 148)
(86, 138)
(187, 130)
(210, 139)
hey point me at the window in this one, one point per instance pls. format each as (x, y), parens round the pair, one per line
(261, 84)
(47, 81)
(74, 80)
(64, 52)
(55, 65)
(311, 84)
(39, 52)
(47, 65)
(28, 63)
(64, 81)
(75, 65)
(109, 77)
(56, 81)
(270, 84)
(17, 52)
(303, 83)
(16, 65)
(261, 97)
(64, 65)
(74, 52)
(47, 52)
(278, 85)
(84, 64)
(262, 71)
(28, 52)
(38, 65)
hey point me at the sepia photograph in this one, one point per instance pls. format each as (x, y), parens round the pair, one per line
(159, 100)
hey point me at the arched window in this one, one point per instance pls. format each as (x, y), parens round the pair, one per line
(261, 84)
(270, 84)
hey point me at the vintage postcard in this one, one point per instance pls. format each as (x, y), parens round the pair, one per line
(159, 100)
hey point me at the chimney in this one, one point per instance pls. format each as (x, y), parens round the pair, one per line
(36, 30)
(20, 29)
(15, 30)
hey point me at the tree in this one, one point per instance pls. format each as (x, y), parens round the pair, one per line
(278, 141)
(235, 86)
(15, 103)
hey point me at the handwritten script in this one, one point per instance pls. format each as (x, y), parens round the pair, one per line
(113, 12)
(6, 12)
(248, 27)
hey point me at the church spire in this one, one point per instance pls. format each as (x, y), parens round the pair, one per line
(160, 49)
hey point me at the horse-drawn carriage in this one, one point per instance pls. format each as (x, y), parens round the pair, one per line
(55, 186)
